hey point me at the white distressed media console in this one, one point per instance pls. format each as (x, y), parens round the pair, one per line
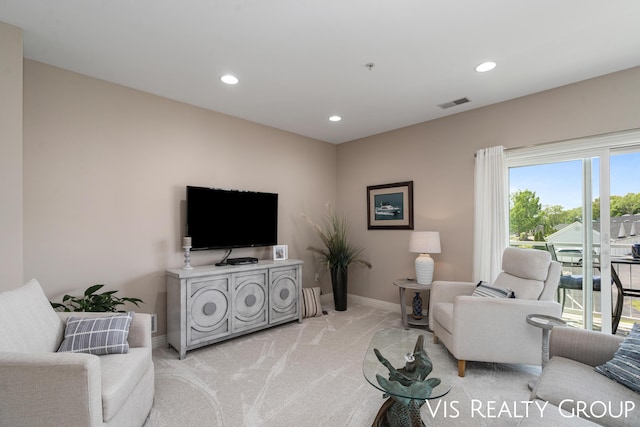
(211, 304)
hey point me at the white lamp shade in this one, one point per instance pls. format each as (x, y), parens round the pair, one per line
(424, 243)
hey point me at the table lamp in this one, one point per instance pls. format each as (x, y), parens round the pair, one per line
(424, 243)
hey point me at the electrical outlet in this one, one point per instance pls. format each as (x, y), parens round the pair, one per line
(154, 323)
(317, 277)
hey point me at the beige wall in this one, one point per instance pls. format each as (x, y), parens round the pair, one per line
(105, 174)
(105, 169)
(10, 156)
(438, 156)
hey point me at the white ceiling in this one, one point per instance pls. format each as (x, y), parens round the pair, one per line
(300, 61)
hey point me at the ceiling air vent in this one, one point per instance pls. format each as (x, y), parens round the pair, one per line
(454, 103)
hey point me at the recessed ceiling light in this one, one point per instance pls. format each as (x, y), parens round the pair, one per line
(229, 79)
(335, 118)
(486, 66)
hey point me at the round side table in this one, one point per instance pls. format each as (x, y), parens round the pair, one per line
(411, 284)
(546, 323)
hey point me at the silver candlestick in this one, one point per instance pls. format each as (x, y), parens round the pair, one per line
(187, 258)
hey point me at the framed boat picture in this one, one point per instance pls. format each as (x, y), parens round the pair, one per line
(390, 206)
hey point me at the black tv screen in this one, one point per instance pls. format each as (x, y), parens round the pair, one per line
(224, 219)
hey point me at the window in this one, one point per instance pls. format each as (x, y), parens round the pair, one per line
(557, 188)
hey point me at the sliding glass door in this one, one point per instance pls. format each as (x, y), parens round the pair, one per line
(580, 201)
(550, 204)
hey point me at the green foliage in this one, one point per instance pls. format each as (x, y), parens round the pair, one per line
(627, 204)
(595, 209)
(525, 211)
(573, 215)
(552, 216)
(525, 214)
(92, 301)
(336, 251)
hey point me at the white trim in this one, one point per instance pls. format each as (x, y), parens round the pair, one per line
(587, 242)
(370, 302)
(571, 149)
(605, 240)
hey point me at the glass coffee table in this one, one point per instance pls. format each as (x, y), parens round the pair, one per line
(397, 364)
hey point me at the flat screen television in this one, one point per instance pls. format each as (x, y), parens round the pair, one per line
(226, 219)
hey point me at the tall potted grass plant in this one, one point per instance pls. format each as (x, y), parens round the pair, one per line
(336, 254)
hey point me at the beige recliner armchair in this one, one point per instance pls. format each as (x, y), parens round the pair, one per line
(40, 387)
(495, 329)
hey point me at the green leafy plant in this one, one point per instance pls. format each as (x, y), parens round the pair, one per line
(336, 251)
(92, 301)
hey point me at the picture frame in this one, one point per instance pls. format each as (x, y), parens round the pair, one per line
(280, 252)
(390, 206)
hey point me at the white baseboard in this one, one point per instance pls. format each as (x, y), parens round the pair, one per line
(325, 299)
(159, 341)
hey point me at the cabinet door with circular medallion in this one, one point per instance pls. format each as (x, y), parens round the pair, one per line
(208, 308)
(283, 294)
(249, 300)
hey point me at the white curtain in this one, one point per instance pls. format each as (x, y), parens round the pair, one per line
(491, 213)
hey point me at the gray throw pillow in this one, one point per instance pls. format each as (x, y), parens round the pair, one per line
(625, 365)
(97, 335)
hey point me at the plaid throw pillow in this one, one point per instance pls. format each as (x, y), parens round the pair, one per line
(97, 335)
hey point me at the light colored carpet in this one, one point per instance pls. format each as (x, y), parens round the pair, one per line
(310, 374)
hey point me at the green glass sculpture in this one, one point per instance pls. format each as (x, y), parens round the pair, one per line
(408, 387)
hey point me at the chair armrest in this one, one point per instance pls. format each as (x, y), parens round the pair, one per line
(50, 389)
(482, 326)
(480, 313)
(139, 331)
(588, 347)
(446, 291)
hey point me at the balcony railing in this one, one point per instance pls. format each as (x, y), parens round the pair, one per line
(570, 256)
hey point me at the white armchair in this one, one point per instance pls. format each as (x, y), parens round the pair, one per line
(40, 387)
(495, 329)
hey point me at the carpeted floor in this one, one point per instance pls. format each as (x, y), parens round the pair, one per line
(310, 374)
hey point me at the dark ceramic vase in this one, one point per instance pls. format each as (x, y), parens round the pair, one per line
(339, 284)
(417, 306)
